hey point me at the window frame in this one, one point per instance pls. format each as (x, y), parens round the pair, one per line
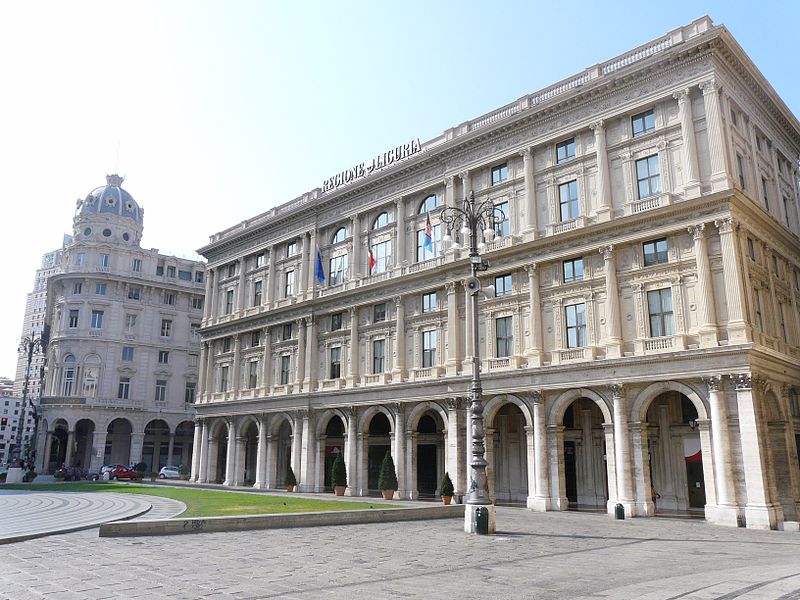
(430, 302)
(335, 362)
(381, 220)
(429, 341)
(288, 283)
(575, 330)
(501, 171)
(643, 117)
(503, 285)
(336, 321)
(378, 367)
(566, 145)
(572, 263)
(504, 344)
(426, 206)
(339, 235)
(376, 313)
(161, 390)
(569, 207)
(285, 372)
(651, 180)
(661, 323)
(658, 257)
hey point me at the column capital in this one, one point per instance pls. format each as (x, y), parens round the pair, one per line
(450, 181)
(450, 286)
(617, 390)
(350, 412)
(536, 396)
(607, 252)
(398, 301)
(597, 126)
(456, 403)
(742, 381)
(464, 175)
(713, 382)
(355, 219)
(396, 407)
(351, 310)
(301, 413)
(399, 200)
(682, 95)
(697, 231)
(709, 87)
(531, 269)
(726, 224)
(526, 153)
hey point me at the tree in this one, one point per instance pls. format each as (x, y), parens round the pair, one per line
(446, 487)
(338, 472)
(388, 477)
(290, 478)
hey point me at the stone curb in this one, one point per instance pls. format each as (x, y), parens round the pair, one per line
(280, 521)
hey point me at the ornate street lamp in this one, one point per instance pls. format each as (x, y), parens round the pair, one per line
(31, 345)
(476, 226)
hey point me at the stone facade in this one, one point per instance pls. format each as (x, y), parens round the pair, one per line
(642, 345)
(124, 344)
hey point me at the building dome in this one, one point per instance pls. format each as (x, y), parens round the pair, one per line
(111, 199)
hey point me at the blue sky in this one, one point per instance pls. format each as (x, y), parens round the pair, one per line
(217, 111)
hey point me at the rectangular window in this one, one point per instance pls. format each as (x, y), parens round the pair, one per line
(166, 327)
(224, 375)
(194, 331)
(499, 173)
(428, 348)
(80, 259)
(287, 331)
(190, 392)
(648, 177)
(502, 219)
(228, 302)
(288, 288)
(255, 339)
(740, 169)
(765, 192)
(171, 272)
(169, 299)
(100, 289)
(191, 360)
(655, 252)
(161, 390)
(575, 317)
(257, 288)
(160, 270)
(782, 317)
(198, 277)
(734, 122)
(127, 353)
(787, 210)
(137, 265)
(757, 302)
(134, 293)
(291, 249)
(260, 261)
(252, 374)
(378, 356)
(336, 362)
(226, 344)
(379, 312)
(572, 270)
(77, 288)
(286, 361)
(504, 335)
(659, 306)
(185, 275)
(502, 285)
(751, 249)
(643, 123)
(565, 151)
(130, 323)
(231, 269)
(124, 389)
(97, 319)
(197, 303)
(383, 255)
(568, 201)
(425, 252)
(338, 269)
(73, 319)
(429, 302)
(163, 357)
(336, 321)
(104, 260)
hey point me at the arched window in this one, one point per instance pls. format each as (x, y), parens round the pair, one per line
(382, 220)
(68, 379)
(429, 204)
(339, 236)
(91, 375)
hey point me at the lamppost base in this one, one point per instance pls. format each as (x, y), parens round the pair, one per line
(14, 475)
(476, 521)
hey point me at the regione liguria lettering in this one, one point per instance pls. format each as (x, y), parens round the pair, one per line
(368, 167)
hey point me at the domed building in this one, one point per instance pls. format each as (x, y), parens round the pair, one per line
(124, 348)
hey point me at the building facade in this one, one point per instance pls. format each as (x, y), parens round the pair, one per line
(124, 344)
(642, 343)
(9, 418)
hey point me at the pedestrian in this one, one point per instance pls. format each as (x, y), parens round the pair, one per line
(654, 494)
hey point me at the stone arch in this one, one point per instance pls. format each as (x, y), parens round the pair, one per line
(241, 428)
(277, 420)
(217, 427)
(152, 424)
(61, 421)
(371, 412)
(325, 417)
(420, 409)
(652, 391)
(560, 404)
(496, 403)
(90, 377)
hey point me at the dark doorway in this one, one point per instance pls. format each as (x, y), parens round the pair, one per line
(426, 470)
(570, 473)
(375, 458)
(694, 480)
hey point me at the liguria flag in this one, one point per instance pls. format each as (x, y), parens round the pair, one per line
(319, 270)
(371, 255)
(427, 239)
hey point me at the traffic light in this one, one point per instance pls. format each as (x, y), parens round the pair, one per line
(3, 422)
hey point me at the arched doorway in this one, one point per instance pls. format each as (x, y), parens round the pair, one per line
(223, 438)
(333, 442)
(281, 449)
(84, 436)
(508, 477)
(182, 449)
(118, 443)
(781, 456)
(429, 454)
(58, 446)
(155, 447)
(378, 444)
(248, 454)
(584, 473)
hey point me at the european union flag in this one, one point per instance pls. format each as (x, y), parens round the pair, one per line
(319, 271)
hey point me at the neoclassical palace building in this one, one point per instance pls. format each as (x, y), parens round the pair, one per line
(124, 344)
(642, 339)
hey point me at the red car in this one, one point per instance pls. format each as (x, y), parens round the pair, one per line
(120, 472)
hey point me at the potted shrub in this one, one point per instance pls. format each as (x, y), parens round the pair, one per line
(291, 480)
(446, 489)
(60, 475)
(387, 481)
(140, 469)
(183, 472)
(3, 477)
(339, 475)
(29, 476)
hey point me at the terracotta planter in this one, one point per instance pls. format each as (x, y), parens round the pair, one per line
(289, 488)
(388, 494)
(339, 490)
(447, 499)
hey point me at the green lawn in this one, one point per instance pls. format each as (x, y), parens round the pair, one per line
(210, 503)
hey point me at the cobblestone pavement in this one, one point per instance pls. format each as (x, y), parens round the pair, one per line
(533, 555)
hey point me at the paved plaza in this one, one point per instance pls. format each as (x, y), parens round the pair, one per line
(533, 555)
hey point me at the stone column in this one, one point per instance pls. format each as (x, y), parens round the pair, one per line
(239, 460)
(355, 229)
(311, 367)
(270, 467)
(613, 323)
(399, 452)
(351, 450)
(196, 439)
(353, 377)
(43, 459)
(302, 285)
(137, 440)
(706, 309)
(466, 184)
(541, 493)
(604, 201)
(399, 372)
(400, 219)
(691, 185)
(534, 350)
(98, 447)
(720, 180)
(362, 465)
(641, 477)
(297, 442)
(450, 191)
(237, 363)
(209, 374)
(466, 363)
(271, 279)
(760, 512)
(261, 453)
(214, 298)
(170, 450)
(308, 455)
(726, 510)
(209, 291)
(241, 292)
(456, 452)
(738, 330)
(530, 224)
(311, 281)
(266, 367)
(453, 331)
(622, 449)
(201, 370)
(300, 363)
(230, 456)
(201, 457)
